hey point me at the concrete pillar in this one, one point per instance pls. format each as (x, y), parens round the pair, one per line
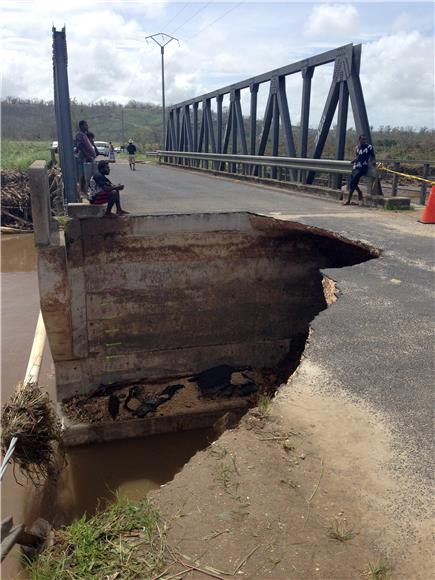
(40, 199)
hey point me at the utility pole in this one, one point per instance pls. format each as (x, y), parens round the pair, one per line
(122, 125)
(162, 40)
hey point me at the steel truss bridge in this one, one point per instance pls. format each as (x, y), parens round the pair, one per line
(201, 126)
(193, 127)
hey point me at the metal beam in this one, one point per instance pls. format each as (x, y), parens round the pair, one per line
(254, 92)
(228, 129)
(286, 121)
(307, 75)
(275, 131)
(325, 124)
(172, 126)
(209, 120)
(189, 128)
(343, 101)
(219, 123)
(177, 127)
(266, 123)
(63, 115)
(327, 165)
(234, 129)
(205, 123)
(319, 59)
(240, 123)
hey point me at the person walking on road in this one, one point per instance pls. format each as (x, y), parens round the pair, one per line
(131, 150)
(365, 153)
(102, 190)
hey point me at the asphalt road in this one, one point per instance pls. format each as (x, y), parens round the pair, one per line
(377, 339)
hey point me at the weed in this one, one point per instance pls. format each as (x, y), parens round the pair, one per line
(226, 472)
(288, 445)
(379, 570)
(290, 483)
(339, 530)
(102, 545)
(218, 451)
(223, 475)
(264, 404)
(234, 464)
(62, 220)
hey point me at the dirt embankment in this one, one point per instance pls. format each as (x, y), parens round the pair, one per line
(302, 489)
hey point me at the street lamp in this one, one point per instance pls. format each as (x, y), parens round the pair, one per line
(162, 40)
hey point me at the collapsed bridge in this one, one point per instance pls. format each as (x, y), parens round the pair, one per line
(156, 299)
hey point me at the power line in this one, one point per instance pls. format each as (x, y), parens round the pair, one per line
(193, 16)
(175, 16)
(218, 18)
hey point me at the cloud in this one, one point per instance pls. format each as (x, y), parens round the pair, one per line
(109, 58)
(398, 79)
(401, 22)
(332, 20)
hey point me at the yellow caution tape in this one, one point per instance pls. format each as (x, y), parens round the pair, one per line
(382, 167)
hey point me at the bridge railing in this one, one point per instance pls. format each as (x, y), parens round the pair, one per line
(424, 169)
(261, 166)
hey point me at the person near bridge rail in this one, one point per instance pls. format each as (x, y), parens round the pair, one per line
(131, 150)
(102, 190)
(364, 154)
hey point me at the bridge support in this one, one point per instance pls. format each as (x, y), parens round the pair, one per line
(63, 115)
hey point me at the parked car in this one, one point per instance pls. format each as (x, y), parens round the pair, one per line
(117, 149)
(102, 147)
(55, 147)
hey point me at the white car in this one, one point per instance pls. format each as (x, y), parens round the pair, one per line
(102, 147)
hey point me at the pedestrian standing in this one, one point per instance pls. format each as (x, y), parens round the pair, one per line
(365, 153)
(131, 150)
(112, 157)
(85, 154)
(91, 138)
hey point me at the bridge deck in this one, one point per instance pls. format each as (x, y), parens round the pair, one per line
(155, 188)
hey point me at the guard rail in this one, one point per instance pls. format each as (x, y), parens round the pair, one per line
(285, 165)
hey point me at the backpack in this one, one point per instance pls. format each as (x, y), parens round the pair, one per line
(93, 189)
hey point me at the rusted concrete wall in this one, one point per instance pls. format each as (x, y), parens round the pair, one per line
(161, 296)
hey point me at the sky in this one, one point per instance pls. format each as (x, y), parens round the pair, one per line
(219, 43)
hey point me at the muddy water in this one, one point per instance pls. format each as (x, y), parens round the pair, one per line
(93, 473)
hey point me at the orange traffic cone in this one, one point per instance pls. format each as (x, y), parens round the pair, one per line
(428, 216)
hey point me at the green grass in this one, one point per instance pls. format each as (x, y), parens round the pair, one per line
(378, 570)
(21, 154)
(339, 530)
(264, 406)
(123, 540)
